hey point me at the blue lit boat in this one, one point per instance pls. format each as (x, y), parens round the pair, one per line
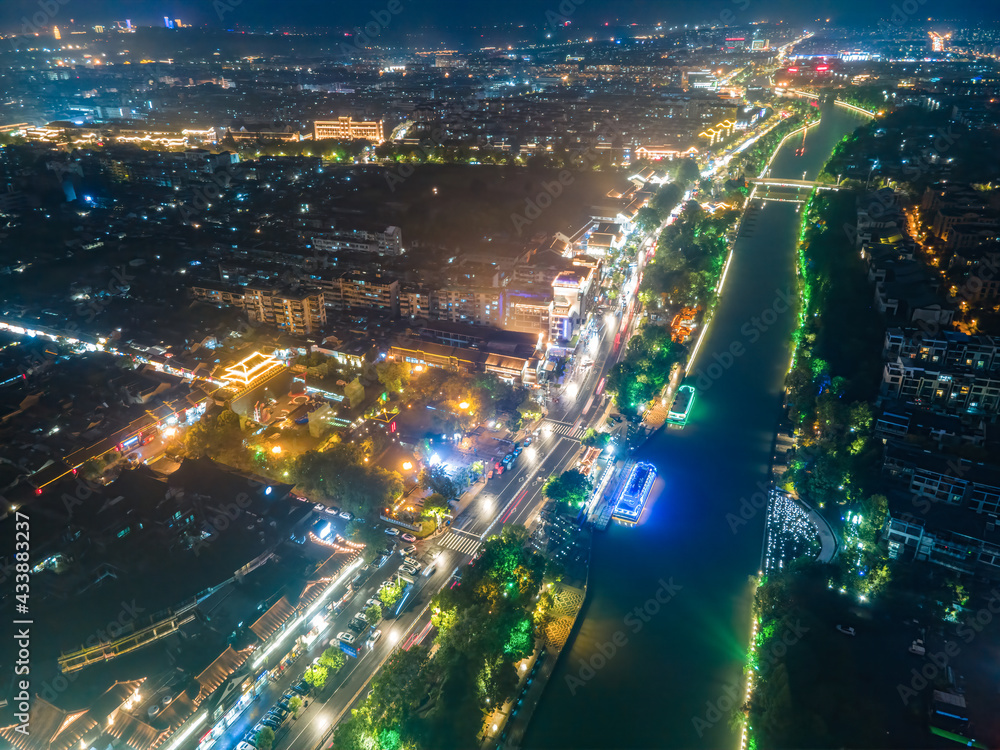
(633, 494)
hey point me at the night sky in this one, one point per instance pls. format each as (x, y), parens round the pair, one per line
(463, 13)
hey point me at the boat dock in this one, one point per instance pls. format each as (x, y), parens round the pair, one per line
(600, 514)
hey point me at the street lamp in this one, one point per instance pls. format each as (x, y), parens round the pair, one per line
(407, 465)
(464, 405)
(276, 450)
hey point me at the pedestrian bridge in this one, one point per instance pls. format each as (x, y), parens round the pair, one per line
(798, 184)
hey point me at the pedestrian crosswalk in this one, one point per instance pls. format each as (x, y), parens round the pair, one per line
(461, 542)
(561, 428)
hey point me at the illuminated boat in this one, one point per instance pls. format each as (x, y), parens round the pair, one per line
(680, 409)
(634, 491)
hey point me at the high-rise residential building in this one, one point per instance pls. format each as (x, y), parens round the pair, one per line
(298, 312)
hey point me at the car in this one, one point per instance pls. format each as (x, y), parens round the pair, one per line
(301, 687)
(431, 570)
(392, 531)
(358, 625)
(381, 560)
(346, 515)
(373, 638)
(411, 568)
(272, 724)
(346, 637)
(846, 631)
(527, 441)
(373, 602)
(408, 537)
(245, 746)
(409, 551)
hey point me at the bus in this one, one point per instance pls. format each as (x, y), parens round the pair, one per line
(680, 409)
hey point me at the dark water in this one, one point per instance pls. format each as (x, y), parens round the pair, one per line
(640, 678)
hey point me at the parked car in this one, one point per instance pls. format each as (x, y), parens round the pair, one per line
(346, 637)
(301, 687)
(392, 531)
(846, 631)
(278, 715)
(346, 515)
(358, 625)
(407, 537)
(409, 551)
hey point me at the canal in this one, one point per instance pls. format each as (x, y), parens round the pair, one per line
(657, 659)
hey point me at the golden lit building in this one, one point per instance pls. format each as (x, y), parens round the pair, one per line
(346, 129)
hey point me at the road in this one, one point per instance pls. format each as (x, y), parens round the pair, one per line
(514, 497)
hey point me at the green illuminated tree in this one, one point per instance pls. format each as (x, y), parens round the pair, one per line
(572, 488)
(373, 615)
(333, 659)
(435, 506)
(316, 676)
(265, 738)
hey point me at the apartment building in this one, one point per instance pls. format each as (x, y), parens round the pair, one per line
(949, 392)
(973, 551)
(469, 304)
(947, 349)
(387, 241)
(415, 301)
(355, 291)
(299, 313)
(529, 311)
